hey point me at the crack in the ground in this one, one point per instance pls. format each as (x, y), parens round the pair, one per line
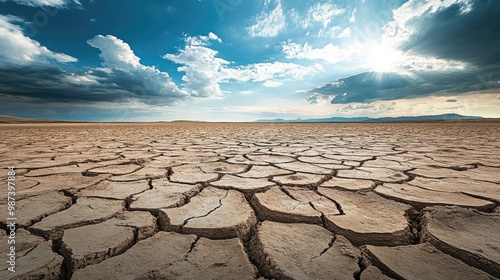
(339, 207)
(414, 217)
(205, 215)
(192, 247)
(330, 244)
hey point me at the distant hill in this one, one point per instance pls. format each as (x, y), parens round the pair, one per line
(10, 119)
(444, 117)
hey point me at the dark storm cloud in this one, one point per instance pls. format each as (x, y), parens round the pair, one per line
(468, 36)
(51, 84)
(370, 86)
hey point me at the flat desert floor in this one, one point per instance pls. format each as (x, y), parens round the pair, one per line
(251, 201)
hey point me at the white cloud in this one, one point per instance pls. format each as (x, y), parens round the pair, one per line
(419, 63)
(262, 72)
(269, 24)
(212, 36)
(330, 53)
(41, 3)
(86, 79)
(324, 13)
(317, 98)
(204, 71)
(346, 33)
(272, 84)
(18, 49)
(321, 14)
(352, 18)
(202, 67)
(114, 52)
(123, 68)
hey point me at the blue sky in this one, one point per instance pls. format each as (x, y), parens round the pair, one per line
(235, 60)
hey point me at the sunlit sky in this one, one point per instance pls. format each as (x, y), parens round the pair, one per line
(236, 60)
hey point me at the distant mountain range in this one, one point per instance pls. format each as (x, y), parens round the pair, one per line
(10, 119)
(444, 117)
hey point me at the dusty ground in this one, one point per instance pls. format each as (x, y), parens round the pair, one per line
(249, 201)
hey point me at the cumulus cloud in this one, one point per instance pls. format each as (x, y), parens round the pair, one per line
(269, 23)
(330, 53)
(18, 49)
(123, 68)
(317, 98)
(45, 3)
(114, 52)
(31, 70)
(205, 71)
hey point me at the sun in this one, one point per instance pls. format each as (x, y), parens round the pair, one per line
(383, 58)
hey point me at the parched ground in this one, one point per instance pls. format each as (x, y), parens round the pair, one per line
(253, 201)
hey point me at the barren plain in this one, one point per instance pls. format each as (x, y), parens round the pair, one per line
(188, 200)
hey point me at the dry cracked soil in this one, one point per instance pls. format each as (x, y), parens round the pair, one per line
(252, 201)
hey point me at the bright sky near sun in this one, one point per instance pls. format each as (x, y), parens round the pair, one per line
(235, 60)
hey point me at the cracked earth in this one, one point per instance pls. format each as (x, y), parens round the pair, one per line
(253, 201)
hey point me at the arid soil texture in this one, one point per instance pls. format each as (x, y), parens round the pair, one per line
(252, 201)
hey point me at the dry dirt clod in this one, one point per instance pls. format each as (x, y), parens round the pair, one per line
(302, 251)
(149, 259)
(422, 261)
(466, 234)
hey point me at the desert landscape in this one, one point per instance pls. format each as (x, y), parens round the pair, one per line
(190, 200)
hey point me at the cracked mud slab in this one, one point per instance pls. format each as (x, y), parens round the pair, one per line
(148, 259)
(373, 273)
(114, 190)
(164, 194)
(368, 218)
(246, 185)
(300, 179)
(349, 184)
(55, 170)
(214, 213)
(302, 251)
(400, 262)
(84, 211)
(141, 174)
(482, 173)
(264, 172)
(422, 197)
(25, 242)
(374, 173)
(222, 167)
(271, 158)
(480, 189)
(468, 235)
(36, 207)
(68, 182)
(293, 205)
(305, 168)
(121, 169)
(40, 263)
(21, 184)
(92, 244)
(191, 174)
